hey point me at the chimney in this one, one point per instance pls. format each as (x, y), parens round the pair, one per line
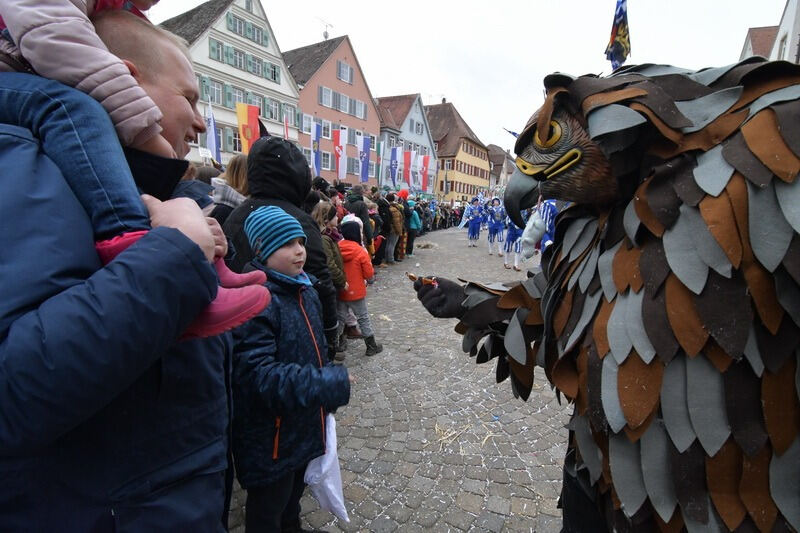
(444, 100)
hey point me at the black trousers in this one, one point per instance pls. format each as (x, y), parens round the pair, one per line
(412, 234)
(275, 507)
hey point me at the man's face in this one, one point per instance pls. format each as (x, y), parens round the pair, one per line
(174, 90)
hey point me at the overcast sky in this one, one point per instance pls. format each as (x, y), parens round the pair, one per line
(489, 57)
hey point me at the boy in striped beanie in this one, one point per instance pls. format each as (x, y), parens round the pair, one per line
(283, 384)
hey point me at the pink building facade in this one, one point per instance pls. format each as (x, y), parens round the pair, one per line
(334, 93)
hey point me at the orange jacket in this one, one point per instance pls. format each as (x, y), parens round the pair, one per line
(357, 269)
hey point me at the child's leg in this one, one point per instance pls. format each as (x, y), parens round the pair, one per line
(359, 308)
(77, 135)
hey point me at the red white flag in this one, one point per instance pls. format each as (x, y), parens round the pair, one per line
(426, 161)
(408, 157)
(340, 150)
(286, 126)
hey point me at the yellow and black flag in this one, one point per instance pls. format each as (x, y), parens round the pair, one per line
(619, 46)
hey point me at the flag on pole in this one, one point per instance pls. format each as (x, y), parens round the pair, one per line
(316, 153)
(340, 147)
(363, 157)
(426, 161)
(407, 159)
(446, 183)
(378, 161)
(249, 126)
(619, 46)
(211, 134)
(286, 125)
(393, 166)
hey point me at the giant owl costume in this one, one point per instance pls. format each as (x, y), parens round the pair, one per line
(668, 309)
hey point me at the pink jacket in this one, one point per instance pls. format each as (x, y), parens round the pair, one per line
(58, 40)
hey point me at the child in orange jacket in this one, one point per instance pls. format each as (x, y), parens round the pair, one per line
(358, 269)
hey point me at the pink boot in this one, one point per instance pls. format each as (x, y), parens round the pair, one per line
(232, 307)
(230, 279)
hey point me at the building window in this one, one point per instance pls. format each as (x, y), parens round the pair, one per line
(392, 141)
(238, 58)
(326, 161)
(215, 93)
(448, 164)
(239, 26)
(290, 112)
(258, 34)
(307, 154)
(237, 141)
(248, 5)
(258, 67)
(344, 103)
(258, 100)
(326, 97)
(326, 129)
(424, 150)
(373, 143)
(418, 128)
(435, 147)
(353, 165)
(372, 169)
(344, 72)
(401, 144)
(274, 110)
(307, 121)
(361, 108)
(272, 72)
(238, 95)
(782, 48)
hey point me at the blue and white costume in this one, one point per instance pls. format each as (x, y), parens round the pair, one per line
(548, 212)
(513, 240)
(473, 215)
(496, 216)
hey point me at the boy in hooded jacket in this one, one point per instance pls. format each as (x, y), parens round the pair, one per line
(358, 269)
(283, 385)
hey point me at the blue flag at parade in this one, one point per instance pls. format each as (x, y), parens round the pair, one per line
(393, 166)
(211, 134)
(363, 157)
(619, 46)
(316, 153)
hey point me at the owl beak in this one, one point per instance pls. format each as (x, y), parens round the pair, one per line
(521, 193)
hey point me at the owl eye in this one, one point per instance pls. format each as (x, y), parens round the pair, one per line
(553, 135)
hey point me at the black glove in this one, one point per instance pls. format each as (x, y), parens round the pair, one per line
(441, 299)
(332, 337)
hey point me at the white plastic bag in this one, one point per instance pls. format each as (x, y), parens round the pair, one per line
(324, 477)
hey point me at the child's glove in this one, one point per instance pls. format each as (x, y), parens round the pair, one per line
(442, 299)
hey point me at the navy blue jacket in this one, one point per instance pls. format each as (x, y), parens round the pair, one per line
(106, 423)
(283, 385)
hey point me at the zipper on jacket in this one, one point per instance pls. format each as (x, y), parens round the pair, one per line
(277, 437)
(319, 358)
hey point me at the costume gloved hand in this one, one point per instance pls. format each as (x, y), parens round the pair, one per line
(442, 299)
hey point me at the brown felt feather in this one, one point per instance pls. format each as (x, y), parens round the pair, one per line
(639, 386)
(764, 140)
(754, 489)
(723, 475)
(718, 215)
(610, 97)
(599, 331)
(781, 409)
(643, 211)
(683, 317)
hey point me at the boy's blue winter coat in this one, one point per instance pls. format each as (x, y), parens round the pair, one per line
(283, 385)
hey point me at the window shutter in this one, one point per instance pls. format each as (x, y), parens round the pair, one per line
(248, 97)
(336, 100)
(228, 54)
(249, 63)
(212, 49)
(411, 124)
(248, 30)
(228, 101)
(229, 17)
(352, 107)
(227, 141)
(277, 74)
(265, 69)
(264, 38)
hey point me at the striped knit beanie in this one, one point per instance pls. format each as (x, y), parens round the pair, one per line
(268, 228)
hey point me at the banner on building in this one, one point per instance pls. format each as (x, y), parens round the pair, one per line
(363, 157)
(340, 149)
(426, 161)
(286, 125)
(393, 166)
(249, 126)
(316, 151)
(211, 135)
(619, 46)
(379, 162)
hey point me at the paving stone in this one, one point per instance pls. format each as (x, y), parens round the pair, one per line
(383, 524)
(425, 517)
(472, 503)
(475, 486)
(523, 506)
(459, 519)
(488, 521)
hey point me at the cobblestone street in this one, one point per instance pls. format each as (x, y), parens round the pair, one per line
(429, 441)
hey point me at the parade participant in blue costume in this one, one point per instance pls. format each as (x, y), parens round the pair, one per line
(514, 241)
(548, 211)
(496, 216)
(473, 215)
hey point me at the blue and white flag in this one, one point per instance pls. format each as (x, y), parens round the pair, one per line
(619, 45)
(316, 153)
(211, 134)
(363, 157)
(393, 163)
